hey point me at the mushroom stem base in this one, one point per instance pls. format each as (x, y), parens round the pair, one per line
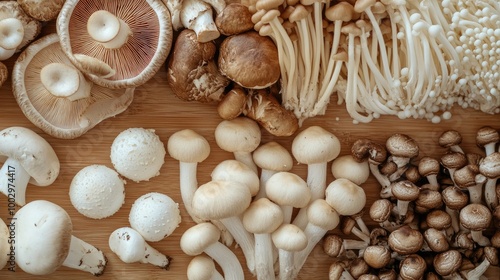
(13, 181)
(85, 257)
(264, 256)
(154, 257)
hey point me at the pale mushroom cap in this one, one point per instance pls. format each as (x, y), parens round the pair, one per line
(32, 27)
(12, 33)
(43, 237)
(138, 154)
(33, 152)
(273, 156)
(262, 216)
(155, 216)
(217, 200)
(289, 237)
(321, 214)
(60, 79)
(127, 244)
(4, 245)
(348, 168)
(288, 189)
(198, 237)
(236, 171)
(200, 268)
(345, 197)
(241, 134)
(188, 146)
(97, 191)
(315, 145)
(475, 217)
(42, 10)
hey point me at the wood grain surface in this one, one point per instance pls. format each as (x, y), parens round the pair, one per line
(155, 107)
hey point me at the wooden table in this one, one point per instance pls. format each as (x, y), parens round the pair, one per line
(155, 106)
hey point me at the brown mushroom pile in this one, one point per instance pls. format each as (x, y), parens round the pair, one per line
(436, 217)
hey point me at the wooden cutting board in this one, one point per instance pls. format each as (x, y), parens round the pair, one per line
(155, 107)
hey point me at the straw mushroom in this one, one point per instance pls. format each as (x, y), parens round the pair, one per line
(235, 18)
(202, 267)
(130, 247)
(27, 158)
(44, 242)
(289, 239)
(138, 154)
(56, 97)
(42, 10)
(133, 38)
(197, 16)
(5, 254)
(155, 216)
(97, 191)
(192, 71)
(203, 238)
(17, 29)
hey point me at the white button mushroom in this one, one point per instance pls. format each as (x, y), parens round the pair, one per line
(44, 242)
(288, 238)
(131, 247)
(138, 154)
(28, 159)
(155, 216)
(97, 191)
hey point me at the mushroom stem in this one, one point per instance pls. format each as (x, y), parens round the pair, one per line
(265, 174)
(107, 29)
(85, 257)
(475, 193)
(490, 193)
(479, 238)
(264, 256)
(286, 264)
(243, 238)
(13, 181)
(314, 234)
(188, 186)
(477, 272)
(246, 158)
(154, 257)
(197, 16)
(65, 81)
(455, 224)
(227, 260)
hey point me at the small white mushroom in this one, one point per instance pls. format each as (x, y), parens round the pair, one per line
(288, 238)
(236, 171)
(131, 247)
(28, 158)
(138, 154)
(97, 191)
(155, 216)
(348, 168)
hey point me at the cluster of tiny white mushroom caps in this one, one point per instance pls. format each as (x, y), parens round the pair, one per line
(435, 209)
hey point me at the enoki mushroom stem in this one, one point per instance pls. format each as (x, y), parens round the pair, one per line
(107, 29)
(65, 81)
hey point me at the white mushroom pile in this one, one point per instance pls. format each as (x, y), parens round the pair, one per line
(443, 209)
(412, 59)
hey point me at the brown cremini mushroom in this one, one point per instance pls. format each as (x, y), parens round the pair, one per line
(56, 97)
(465, 178)
(453, 161)
(377, 256)
(133, 38)
(436, 240)
(402, 148)
(454, 199)
(42, 10)
(405, 192)
(234, 19)
(232, 104)
(376, 154)
(490, 258)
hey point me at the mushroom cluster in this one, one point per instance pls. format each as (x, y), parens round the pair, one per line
(412, 59)
(436, 217)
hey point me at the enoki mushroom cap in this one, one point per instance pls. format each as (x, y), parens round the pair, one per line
(12, 31)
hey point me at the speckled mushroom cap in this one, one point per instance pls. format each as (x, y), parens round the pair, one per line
(138, 59)
(60, 117)
(32, 27)
(97, 191)
(155, 216)
(42, 10)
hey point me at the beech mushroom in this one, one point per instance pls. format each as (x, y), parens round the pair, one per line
(455, 200)
(133, 38)
(17, 28)
(271, 158)
(155, 216)
(192, 72)
(490, 258)
(189, 148)
(240, 136)
(405, 240)
(447, 263)
(376, 154)
(203, 238)
(235, 18)
(44, 242)
(487, 138)
(138, 154)
(27, 158)
(405, 192)
(453, 161)
(436, 240)
(97, 191)
(476, 218)
(402, 148)
(429, 168)
(412, 267)
(490, 168)
(380, 212)
(451, 139)
(288, 238)
(56, 97)
(130, 247)
(42, 10)
(377, 256)
(202, 267)
(348, 168)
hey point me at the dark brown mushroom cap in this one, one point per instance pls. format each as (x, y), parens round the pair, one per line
(365, 148)
(389, 167)
(405, 240)
(358, 267)
(332, 245)
(450, 138)
(466, 176)
(192, 72)
(402, 145)
(436, 240)
(486, 135)
(438, 219)
(377, 256)
(495, 239)
(250, 60)
(347, 224)
(412, 174)
(428, 166)
(454, 198)
(429, 199)
(405, 190)
(42, 10)
(380, 210)
(412, 267)
(453, 160)
(232, 104)
(234, 19)
(490, 166)
(473, 158)
(138, 59)
(448, 262)
(491, 254)
(475, 217)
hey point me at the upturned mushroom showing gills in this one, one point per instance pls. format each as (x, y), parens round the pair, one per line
(56, 97)
(44, 242)
(27, 158)
(132, 38)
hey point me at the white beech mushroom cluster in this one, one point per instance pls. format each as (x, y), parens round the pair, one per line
(412, 59)
(251, 199)
(437, 217)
